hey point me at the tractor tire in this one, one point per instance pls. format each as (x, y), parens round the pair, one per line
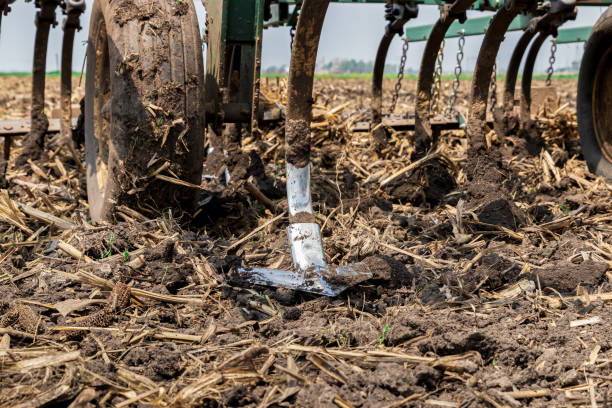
(144, 120)
(594, 99)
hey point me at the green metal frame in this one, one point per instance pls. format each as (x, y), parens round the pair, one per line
(236, 38)
(474, 26)
(479, 26)
(573, 35)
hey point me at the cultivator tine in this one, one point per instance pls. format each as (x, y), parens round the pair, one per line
(397, 15)
(423, 131)
(4, 8)
(527, 77)
(34, 141)
(512, 74)
(377, 77)
(74, 9)
(310, 271)
(476, 126)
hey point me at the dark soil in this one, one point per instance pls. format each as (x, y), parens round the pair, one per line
(489, 288)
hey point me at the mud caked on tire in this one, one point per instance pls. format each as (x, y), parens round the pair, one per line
(594, 100)
(144, 131)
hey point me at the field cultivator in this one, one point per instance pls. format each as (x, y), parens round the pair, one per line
(150, 99)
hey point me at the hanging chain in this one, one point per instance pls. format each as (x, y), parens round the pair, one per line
(437, 84)
(493, 90)
(450, 108)
(400, 74)
(551, 68)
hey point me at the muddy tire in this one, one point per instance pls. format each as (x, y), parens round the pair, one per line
(594, 100)
(144, 130)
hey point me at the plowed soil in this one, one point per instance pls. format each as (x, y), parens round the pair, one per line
(480, 297)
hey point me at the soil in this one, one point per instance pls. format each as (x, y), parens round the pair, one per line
(488, 288)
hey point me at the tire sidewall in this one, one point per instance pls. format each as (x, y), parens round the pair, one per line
(94, 193)
(129, 182)
(599, 41)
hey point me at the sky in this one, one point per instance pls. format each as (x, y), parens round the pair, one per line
(349, 31)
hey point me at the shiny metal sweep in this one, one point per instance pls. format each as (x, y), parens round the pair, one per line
(310, 272)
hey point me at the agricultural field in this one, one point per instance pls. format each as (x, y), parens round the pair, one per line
(491, 288)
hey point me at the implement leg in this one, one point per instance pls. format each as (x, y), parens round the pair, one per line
(505, 119)
(423, 131)
(71, 24)
(34, 141)
(476, 126)
(528, 76)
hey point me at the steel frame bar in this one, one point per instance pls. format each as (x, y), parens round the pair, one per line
(574, 35)
(471, 27)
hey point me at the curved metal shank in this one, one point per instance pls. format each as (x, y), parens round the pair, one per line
(397, 15)
(34, 141)
(423, 132)
(528, 75)
(513, 69)
(74, 8)
(377, 77)
(304, 237)
(476, 126)
(311, 272)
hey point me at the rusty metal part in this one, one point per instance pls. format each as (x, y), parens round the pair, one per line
(551, 61)
(34, 141)
(476, 127)
(423, 130)
(528, 75)
(493, 90)
(301, 79)
(74, 9)
(450, 108)
(436, 90)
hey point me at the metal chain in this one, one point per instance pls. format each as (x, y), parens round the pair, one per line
(551, 68)
(493, 90)
(400, 75)
(437, 84)
(450, 108)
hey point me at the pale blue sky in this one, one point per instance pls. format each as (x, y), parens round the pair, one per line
(350, 31)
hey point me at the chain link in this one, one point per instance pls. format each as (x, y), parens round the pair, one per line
(551, 68)
(493, 90)
(450, 108)
(437, 83)
(400, 75)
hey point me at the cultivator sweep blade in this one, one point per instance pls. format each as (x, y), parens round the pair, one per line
(310, 272)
